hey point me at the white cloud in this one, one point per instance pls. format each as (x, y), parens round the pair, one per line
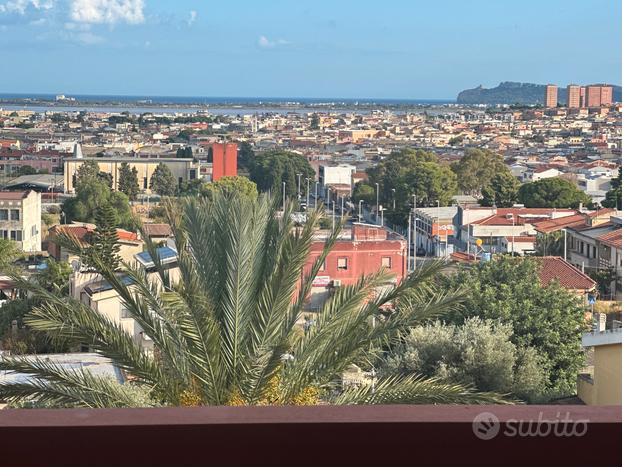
(193, 17)
(266, 43)
(108, 11)
(20, 7)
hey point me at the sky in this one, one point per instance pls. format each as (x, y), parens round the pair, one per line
(408, 49)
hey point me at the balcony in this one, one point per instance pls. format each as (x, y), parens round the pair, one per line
(321, 435)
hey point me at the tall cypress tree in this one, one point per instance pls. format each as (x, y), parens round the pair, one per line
(128, 181)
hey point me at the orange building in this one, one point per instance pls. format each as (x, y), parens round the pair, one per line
(574, 96)
(550, 96)
(225, 160)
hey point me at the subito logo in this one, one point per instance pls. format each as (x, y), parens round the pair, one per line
(486, 426)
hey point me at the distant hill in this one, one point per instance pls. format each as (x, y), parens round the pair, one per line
(517, 93)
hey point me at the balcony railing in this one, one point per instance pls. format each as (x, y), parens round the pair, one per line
(319, 436)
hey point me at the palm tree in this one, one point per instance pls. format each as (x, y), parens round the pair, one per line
(225, 333)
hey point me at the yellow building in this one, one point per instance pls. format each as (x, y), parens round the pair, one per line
(182, 169)
(602, 385)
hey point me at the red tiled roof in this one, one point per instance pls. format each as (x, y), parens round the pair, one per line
(612, 238)
(158, 230)
(555, 268)
(13, 195)
(553, 225)
(80, 232)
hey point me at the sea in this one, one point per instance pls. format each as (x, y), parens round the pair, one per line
(214, 105)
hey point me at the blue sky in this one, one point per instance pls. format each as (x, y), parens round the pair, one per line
(319, 48)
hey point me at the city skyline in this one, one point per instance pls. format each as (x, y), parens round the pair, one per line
(407, 50)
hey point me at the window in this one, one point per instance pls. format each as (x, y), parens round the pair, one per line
(4, 214)
(386, 262)
(342, 264)
(5, 234)
(145, 185)
(323, 266)
(581, 247)
(14, 214)
(16, 235)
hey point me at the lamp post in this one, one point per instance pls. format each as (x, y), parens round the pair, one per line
(284, 183)
(377, 201)
(333, 214)
(360, 210)
(381, 216)
(438, 226)
(308, 180)
(565, 244)
(299, 177)
(393, 190)
(342, 201)
(316, 185)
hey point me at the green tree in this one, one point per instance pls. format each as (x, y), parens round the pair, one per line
(246, 156)
(128, 181)
(271, 168)
(83, 207)
(86, 173)
(184, 153)
(412, 172)
(550, 319)
(476, 170)
(613, 198)
(104, 242)
(8, 254)
(552, 193)
(315, 122)
(230, 186)
(226, 333)
(501, 192)
(550, 244)
(478, 352)
(162, 181)
(26, 170)
(364, 192)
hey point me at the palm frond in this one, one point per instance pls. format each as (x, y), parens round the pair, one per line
(414, 390)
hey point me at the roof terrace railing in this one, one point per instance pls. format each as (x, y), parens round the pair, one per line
(319, 436)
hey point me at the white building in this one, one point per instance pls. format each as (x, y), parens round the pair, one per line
(20, 219)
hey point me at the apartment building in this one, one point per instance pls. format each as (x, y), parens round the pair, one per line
(20, 219)
(366, 249)
(183, 169)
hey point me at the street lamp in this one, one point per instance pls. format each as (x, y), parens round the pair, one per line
(308, 180)
(316, 194)
(377, 201)
(333, 215)
(393, 190)
(284, 183)
(299, 176)
(360, 210)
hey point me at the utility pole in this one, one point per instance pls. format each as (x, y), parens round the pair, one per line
(342, 201)
(360, 210)
(333, 215)
(393, 190)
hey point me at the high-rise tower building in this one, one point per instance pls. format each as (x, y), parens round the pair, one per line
(574, 96)
(550, 96)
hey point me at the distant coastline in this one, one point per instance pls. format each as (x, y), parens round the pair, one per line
(80, 102)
